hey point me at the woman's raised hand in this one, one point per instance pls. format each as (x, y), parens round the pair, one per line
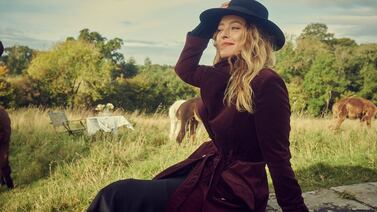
(225, 5)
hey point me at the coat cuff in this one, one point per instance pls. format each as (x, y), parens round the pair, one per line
(202, 31)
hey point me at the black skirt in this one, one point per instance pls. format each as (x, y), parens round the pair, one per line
(134, 195)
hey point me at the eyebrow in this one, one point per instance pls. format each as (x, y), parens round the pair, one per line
(222, 23)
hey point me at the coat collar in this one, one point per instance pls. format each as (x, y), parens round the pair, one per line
(224, 66)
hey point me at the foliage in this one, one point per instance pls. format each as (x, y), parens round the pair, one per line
(318, 31)
(126, 70)
(298, 99)
(72, 73)
(17, 59)
(320, 68)
(6, 92)
(107, 48)
(3, 70)
(368, 54)
(147, 62)
(321, 82)
(156, 86)
(26, 92)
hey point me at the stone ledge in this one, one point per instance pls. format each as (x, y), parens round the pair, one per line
(358, 197)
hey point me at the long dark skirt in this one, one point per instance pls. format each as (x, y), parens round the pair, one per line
(133, 195)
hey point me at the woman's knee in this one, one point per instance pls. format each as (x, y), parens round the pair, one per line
(118, 188)
(110, 197)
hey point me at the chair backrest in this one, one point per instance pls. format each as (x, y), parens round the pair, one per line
(58, 118)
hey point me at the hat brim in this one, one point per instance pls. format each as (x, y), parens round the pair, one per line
(213, 16)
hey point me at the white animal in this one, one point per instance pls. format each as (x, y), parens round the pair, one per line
(175, 124)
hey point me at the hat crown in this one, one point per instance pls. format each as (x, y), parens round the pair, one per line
(251, 7)
(253, 12)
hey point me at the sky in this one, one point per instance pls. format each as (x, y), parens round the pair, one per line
(157, 28)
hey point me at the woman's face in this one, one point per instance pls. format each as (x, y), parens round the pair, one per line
(229, 38)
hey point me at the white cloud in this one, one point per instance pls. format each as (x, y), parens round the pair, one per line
(151, 44)
(349, 20)
(11, 37)
(333, 3)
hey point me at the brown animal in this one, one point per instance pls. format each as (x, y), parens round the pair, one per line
(188, 119)
(354, 108)
(5, 132)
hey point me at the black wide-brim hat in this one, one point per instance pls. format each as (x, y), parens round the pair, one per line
(253, 12)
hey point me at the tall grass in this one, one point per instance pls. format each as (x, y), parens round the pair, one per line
(56, 172)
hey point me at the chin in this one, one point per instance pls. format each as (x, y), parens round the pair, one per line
(225, 55)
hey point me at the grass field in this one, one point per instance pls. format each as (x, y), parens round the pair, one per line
(56, 172)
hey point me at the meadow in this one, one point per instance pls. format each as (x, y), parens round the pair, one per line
(57, 172)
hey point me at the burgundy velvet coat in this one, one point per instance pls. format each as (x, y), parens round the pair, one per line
(228, 173)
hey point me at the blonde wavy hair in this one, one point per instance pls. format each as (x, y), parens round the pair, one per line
(256, 54)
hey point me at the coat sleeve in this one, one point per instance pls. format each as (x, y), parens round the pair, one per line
(187, 67)
(272, 120)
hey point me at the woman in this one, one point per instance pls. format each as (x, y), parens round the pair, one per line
(246, 113)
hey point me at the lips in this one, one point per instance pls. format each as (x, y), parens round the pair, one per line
(225, 44)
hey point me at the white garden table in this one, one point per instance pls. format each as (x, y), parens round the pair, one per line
(106, 123)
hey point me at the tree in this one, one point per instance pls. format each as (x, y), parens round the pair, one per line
(17, 59)
(130, 68)
(350, 64)
(154, 87)
(147, 62)
(298, 98)
(321, 82)
(91, 37)
(107, 48)
(73, 73)
(6, 92)
(320, 68)
(286, 61)
(127, 69)
(3, 70)
(26, 92)
(318, 31)
(368, 54)
(293, 64)
(346, 42)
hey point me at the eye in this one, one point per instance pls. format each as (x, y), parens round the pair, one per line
(235, 28)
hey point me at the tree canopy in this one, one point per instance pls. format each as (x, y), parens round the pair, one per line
(17, 59)
(72, 73)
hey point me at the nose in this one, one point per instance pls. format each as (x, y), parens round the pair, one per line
(225, 33)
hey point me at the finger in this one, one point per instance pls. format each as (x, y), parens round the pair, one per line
(225, 5)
